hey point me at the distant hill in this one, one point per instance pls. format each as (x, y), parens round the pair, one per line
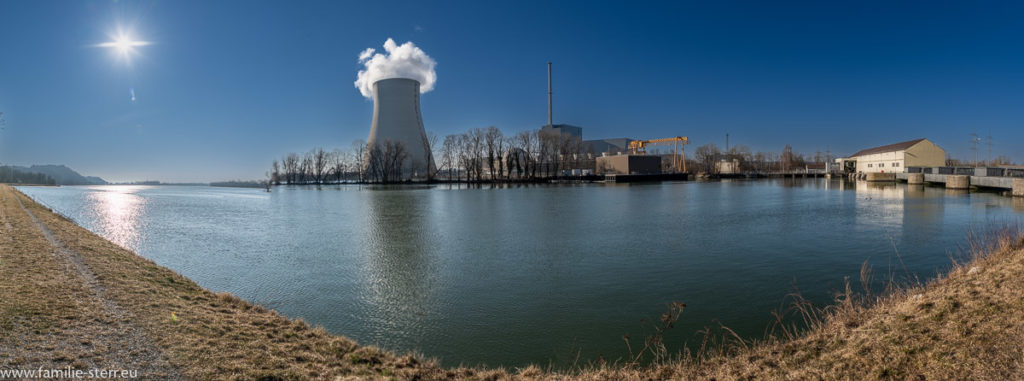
(62, 175)
(95, 180)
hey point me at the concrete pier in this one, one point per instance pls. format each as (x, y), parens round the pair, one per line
(875, 176)
(915, 178)
(1018, 187)
(958, 182)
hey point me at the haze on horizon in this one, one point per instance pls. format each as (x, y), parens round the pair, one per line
(217, 90)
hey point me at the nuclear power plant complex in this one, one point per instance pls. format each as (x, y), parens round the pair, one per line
(398, 149)
(398, 124)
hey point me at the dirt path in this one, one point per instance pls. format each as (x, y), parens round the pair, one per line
(106, 328)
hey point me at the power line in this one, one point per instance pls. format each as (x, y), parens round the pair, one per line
(974, 146)
(988, 142)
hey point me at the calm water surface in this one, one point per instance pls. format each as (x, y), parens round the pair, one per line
(510, 276)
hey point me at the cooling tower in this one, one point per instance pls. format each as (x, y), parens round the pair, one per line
(396, 118)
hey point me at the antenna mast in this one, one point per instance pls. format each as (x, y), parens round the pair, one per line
(549, 95)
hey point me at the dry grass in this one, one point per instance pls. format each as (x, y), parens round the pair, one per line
(49, 316)
(966, 324)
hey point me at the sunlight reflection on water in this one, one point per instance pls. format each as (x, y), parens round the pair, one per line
(117, 211)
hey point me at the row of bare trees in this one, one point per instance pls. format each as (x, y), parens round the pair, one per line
(319, 166)
(706, 157)
(384, 162)
(480, 154)
(361, 163)
(999, 161)
(488, 154)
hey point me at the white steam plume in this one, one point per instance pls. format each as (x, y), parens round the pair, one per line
(398, 61)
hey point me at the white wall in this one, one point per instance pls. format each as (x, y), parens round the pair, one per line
(888, 162)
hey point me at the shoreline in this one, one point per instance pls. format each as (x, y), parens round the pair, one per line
(84, 302)
(76, 295)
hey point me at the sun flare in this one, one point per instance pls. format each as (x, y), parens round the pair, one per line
(123, 44)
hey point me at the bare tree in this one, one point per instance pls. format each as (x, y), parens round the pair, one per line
(385, 161)
(760, 162)
(320, 161)
(503, 147)
(529, 142)
(706, 155)
(359, 155)
(741, 154)
(291, 168)
(569, 149)
(788, 159)
(466, 155)
(448, 153)
(338, 165)
(549, 147)
(374, 170)
(492, 139)
(394, 155)
(275, 173)
(306, 167)
(477, 136)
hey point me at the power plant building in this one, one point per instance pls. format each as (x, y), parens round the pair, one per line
(895, 158)
(628, 165)
(397, 119)
(611, 146)
(562, 130)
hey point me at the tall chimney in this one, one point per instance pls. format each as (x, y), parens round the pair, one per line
(397, 118)
(549, 96)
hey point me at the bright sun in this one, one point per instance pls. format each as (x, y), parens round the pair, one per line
(123, 44)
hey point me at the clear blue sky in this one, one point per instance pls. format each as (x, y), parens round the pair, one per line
(226, 87)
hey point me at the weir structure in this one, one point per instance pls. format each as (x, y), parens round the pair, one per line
(397, 121)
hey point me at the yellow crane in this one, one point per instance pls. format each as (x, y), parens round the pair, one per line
(639, 147)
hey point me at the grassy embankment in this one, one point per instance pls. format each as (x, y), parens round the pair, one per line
(72, 298)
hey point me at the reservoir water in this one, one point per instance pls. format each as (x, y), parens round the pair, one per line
(533, 274)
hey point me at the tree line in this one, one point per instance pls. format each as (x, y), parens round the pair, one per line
(999, 161)
(488, 154)
(13, 176)
(477, 155)
(707, 156)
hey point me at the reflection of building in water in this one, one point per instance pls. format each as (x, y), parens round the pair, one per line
(957, 192)
(400, 276)
(901, 208)
(915, 190)
(880, 204)
(886, 190)
(1018, 204)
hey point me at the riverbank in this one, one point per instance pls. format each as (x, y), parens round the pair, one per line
(72, 298)
(79, 300)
